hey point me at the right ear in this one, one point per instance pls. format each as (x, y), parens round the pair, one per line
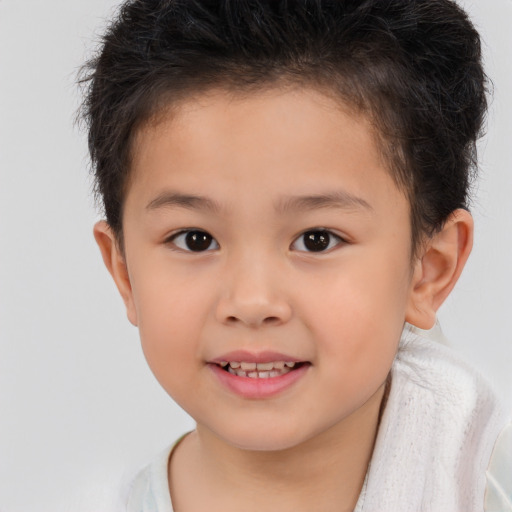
(116, 264)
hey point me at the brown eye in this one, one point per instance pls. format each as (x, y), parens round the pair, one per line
(195, 241)
(316, 240)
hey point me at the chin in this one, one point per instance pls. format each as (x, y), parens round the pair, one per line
(267, 439)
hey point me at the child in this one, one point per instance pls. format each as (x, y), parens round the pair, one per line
(285, 188)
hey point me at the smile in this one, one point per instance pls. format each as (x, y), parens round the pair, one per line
(258, 375)
(258, 370)
(256, 380)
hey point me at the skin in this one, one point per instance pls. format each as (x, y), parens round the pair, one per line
(259, 165)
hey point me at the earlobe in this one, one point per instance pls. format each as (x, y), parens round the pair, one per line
(438, 268)
(116, 265)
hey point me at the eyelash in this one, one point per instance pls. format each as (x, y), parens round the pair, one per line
(323, 239)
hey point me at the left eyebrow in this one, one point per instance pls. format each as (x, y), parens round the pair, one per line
(339, 199)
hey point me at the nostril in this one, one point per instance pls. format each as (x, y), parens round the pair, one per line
(234, 311)
(269, 320)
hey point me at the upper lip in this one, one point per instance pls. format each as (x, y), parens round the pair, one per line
(246, 356)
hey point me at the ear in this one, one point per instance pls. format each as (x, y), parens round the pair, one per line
(438, 268)
(116, 264)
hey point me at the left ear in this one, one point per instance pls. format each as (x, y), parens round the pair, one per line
(438, 268)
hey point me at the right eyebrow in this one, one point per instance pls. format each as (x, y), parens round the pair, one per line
(171, 199)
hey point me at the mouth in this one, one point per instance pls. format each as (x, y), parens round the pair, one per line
(254, 370)
(257, 376)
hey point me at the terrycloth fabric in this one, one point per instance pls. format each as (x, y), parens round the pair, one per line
(436, 435)
(434, 443)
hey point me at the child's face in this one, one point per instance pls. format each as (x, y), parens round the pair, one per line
(251, 176)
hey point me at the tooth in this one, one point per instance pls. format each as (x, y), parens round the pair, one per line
(290, 364)
(248, 366)
(234, 364)
(264, 366)
(230, 370)
(253, 375)
(274, 374)
(241, 373)
(279, 365)
(263, 375)
(223, 363)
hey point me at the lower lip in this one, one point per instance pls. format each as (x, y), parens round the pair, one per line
(248, 387)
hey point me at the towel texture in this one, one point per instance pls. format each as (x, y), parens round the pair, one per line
(436, 435)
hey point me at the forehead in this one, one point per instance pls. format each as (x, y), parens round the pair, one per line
(288, 139)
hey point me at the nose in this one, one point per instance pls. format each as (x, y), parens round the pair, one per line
(253, 296)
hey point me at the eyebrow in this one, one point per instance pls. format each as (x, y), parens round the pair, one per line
(339, 199)
(171, 199)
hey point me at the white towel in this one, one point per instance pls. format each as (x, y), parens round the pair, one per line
(436, 435)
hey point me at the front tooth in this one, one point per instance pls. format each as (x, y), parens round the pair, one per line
(264, 375)
(234, 365)
(253, 375)
(264, 366)
(248, 366)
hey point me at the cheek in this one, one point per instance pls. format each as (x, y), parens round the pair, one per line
(170, 314)
(358, 319)
(363, 296)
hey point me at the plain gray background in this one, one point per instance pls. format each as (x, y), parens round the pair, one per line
(77, 403)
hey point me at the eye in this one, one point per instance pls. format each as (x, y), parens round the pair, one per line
(194, 240)
(316, 240)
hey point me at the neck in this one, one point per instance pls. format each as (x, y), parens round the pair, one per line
(323, 473)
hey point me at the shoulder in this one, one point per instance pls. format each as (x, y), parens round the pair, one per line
(445, 375)
(457, 399)
(437, 432)
(149, 490)
(498, 495)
